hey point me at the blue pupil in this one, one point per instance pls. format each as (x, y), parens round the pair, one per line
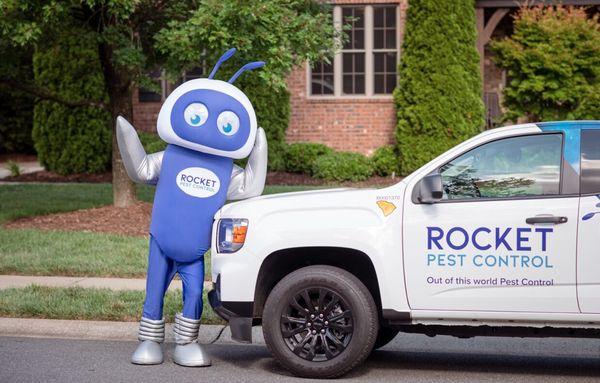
(195, 120)
(227, 128)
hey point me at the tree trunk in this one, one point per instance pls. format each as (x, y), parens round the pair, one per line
(123, 188)
(119, 89)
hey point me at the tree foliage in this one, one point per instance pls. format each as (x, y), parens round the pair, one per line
(71, 139)
(123, 30)
(124, 33)
(553, 64)
(283, 33)
(439, 92)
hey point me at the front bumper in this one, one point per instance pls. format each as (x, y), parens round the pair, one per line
(238, 314)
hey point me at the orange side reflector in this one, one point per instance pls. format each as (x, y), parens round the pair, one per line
(239, 234)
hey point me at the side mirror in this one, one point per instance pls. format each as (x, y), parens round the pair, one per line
(431, 189)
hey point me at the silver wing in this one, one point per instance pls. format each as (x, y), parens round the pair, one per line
(141, 167)
(250, 181)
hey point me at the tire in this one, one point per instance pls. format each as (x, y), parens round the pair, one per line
(333, 347)
(385, 336)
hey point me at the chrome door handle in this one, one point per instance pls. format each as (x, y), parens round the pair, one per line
(546, 219)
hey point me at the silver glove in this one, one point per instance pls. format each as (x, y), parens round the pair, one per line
(250, 182)
(141, 167)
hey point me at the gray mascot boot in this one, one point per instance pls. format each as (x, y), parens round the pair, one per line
(151, 335)
(188, 351)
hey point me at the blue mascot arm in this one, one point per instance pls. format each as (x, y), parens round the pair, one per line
(250, 181)
(141, 167)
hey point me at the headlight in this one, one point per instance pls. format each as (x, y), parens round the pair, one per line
(231, 234)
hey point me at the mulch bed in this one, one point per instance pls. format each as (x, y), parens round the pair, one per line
(46, 176)
(134, 220)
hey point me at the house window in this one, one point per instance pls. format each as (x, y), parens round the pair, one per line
(191, 74)
(367, 63)
(194, 73)
(385, 60)
(148, 95)
(353, 52)
(322, 78)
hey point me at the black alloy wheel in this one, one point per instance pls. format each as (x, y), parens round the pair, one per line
(317, 324)
(320, 322)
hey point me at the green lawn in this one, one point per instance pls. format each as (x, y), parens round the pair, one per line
(36, 199)
(26, 200)
(35, 252)
(87, 304)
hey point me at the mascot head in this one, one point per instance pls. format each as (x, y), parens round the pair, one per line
(210, 116)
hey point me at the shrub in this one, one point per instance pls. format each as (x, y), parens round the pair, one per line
(272, 114)
(553, 62)
(13, 168)
(385, 161)
(152, 142)
(300, 157)
(439, 93)
(589, 108)
(71, 140)
(15, 123)
(342, 166)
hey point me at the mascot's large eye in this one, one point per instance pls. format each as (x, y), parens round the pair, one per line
(196, 114)
(228, 123)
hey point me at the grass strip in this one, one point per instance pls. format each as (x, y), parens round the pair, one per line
(26, 200)
(77, 254)
(88, 304)
(36, 252)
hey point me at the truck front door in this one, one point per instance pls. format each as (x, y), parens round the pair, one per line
(588, 254)
(503, 238)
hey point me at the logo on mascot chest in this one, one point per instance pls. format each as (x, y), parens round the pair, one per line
(198, 182)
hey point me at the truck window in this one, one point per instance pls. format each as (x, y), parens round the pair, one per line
(511, 167)
(590, 161)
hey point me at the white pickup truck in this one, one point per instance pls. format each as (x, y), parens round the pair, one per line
(497, 236)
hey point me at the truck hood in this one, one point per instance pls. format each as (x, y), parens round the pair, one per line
(312, 202)
(301, 199)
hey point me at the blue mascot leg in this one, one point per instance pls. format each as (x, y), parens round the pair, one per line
(161, 271)
(152, 326)
(188, 351)
(192, 276)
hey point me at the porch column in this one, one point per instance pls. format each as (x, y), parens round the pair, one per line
(485, 30)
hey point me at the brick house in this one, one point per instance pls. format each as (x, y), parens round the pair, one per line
(348, 104)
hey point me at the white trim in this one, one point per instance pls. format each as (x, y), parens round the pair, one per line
(337, 61)
(338, 93)
(369, 56)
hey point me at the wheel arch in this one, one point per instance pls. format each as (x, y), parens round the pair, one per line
(282, 262)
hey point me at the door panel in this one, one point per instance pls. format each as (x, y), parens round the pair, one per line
(495, 254)
(474, 250)
(588, 245)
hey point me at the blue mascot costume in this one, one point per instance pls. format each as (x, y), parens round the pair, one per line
(207, 124)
